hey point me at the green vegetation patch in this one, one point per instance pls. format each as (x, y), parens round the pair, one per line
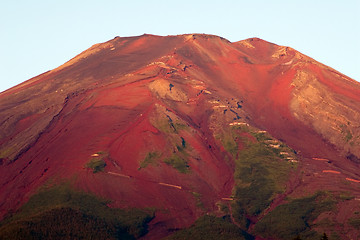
(180, 126)
(294, 219)
(179, 159)
(5, 152)
(167, 125)
(231, 147)
(345, 196)
(228, 139)
(64, 213)
(97, 163)
(197, 196)
(261, 136)
(211, 228)
(181, 150)
(151, 158)
(177, 162)
(260, 174)
(355, 222)
(262, 167)
(346, 132)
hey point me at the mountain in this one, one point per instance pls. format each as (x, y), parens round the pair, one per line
(182, 136)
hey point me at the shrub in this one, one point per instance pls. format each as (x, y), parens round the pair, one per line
(178, 163)
(97, 165)
(150, 158)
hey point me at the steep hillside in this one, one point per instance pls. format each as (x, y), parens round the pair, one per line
(185, 128)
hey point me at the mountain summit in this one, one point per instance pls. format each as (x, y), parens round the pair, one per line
(199, 135)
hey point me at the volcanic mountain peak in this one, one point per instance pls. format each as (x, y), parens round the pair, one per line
(254, 41)
(92, 50)
(188, 125)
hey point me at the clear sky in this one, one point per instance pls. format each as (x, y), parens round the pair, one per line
(39, 35)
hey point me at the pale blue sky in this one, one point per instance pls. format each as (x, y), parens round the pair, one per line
(39, 35)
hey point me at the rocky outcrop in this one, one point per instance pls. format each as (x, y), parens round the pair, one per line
(332, 115)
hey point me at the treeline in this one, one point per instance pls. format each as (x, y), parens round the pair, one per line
(64, 213)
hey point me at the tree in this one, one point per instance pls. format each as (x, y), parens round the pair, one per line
(324, 237)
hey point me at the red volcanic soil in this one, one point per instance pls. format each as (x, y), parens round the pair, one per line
(129, 97)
